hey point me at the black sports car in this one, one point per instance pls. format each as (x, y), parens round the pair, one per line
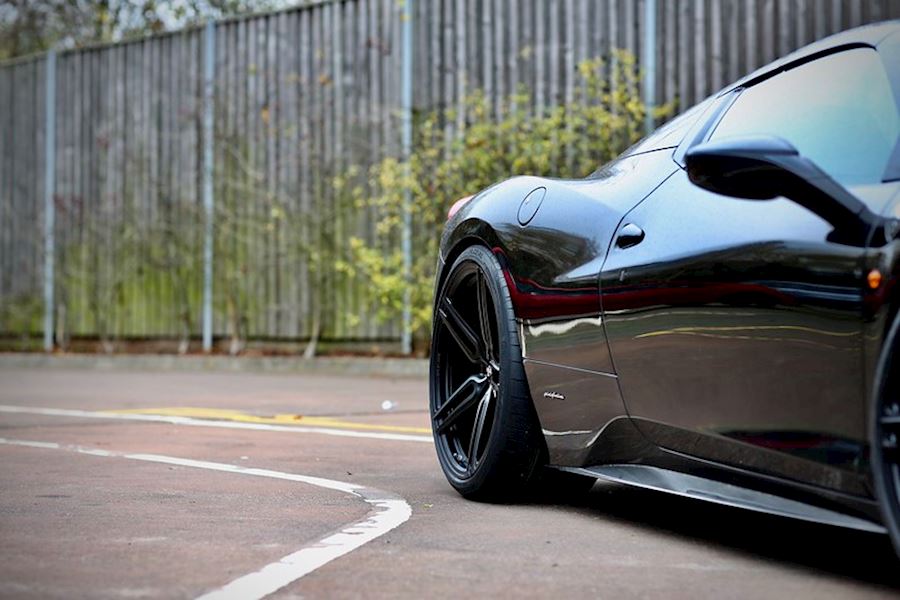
(712, 314)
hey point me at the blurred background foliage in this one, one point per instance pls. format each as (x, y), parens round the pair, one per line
(30, 26)
(456, 155)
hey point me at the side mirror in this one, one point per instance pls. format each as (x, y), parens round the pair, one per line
(750, 168)
(766, 167)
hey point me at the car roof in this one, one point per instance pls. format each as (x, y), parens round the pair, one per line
(867, 35)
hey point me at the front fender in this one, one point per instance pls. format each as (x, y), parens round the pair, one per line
(553, 260)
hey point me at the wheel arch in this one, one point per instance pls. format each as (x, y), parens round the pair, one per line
(472, 232)
(888, 358)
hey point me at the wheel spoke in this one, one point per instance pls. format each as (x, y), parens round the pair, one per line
(461, 400)
(484, 317)
(478, 428)
(460, 330)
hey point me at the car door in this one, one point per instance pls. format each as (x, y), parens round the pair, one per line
(734, 325)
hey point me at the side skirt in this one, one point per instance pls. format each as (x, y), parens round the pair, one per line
(691, 486)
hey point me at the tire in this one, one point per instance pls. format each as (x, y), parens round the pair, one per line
(885, 437)
(486, 432)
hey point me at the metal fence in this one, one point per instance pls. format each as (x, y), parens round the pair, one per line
(298, 96)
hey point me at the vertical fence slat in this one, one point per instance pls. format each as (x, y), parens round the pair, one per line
(49, 208)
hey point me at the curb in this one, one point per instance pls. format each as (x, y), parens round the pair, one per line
(350, 366)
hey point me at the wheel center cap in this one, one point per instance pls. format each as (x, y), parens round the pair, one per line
(490, 371)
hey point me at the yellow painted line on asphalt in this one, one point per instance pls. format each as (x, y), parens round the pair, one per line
(214, 423)
(221, 414)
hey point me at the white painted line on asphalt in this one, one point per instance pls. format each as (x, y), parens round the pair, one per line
(176, 420)
(388, 512)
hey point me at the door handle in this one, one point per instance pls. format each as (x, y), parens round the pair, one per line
(630, 235)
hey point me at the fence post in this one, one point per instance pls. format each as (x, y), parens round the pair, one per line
(208, 74)
(406, 142)
(49, 205)
(649, 64)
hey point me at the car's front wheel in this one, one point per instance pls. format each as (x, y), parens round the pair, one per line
(486, 431)
(886, 433)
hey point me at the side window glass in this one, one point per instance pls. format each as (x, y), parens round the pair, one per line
(838, 111)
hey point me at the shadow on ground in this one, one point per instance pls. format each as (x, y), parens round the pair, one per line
(858, 556)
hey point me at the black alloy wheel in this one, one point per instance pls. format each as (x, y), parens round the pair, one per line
(886, 433)
(485, 429)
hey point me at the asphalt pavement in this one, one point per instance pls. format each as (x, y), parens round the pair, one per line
(118, 484)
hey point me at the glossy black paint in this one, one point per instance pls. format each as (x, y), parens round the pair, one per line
(741, 319)
(670, 325)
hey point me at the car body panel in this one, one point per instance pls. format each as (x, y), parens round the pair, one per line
(763, 291)
(573, 406)
(722, 295)
(880, 306)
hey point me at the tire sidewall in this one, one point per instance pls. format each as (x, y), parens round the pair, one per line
(497, 448)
